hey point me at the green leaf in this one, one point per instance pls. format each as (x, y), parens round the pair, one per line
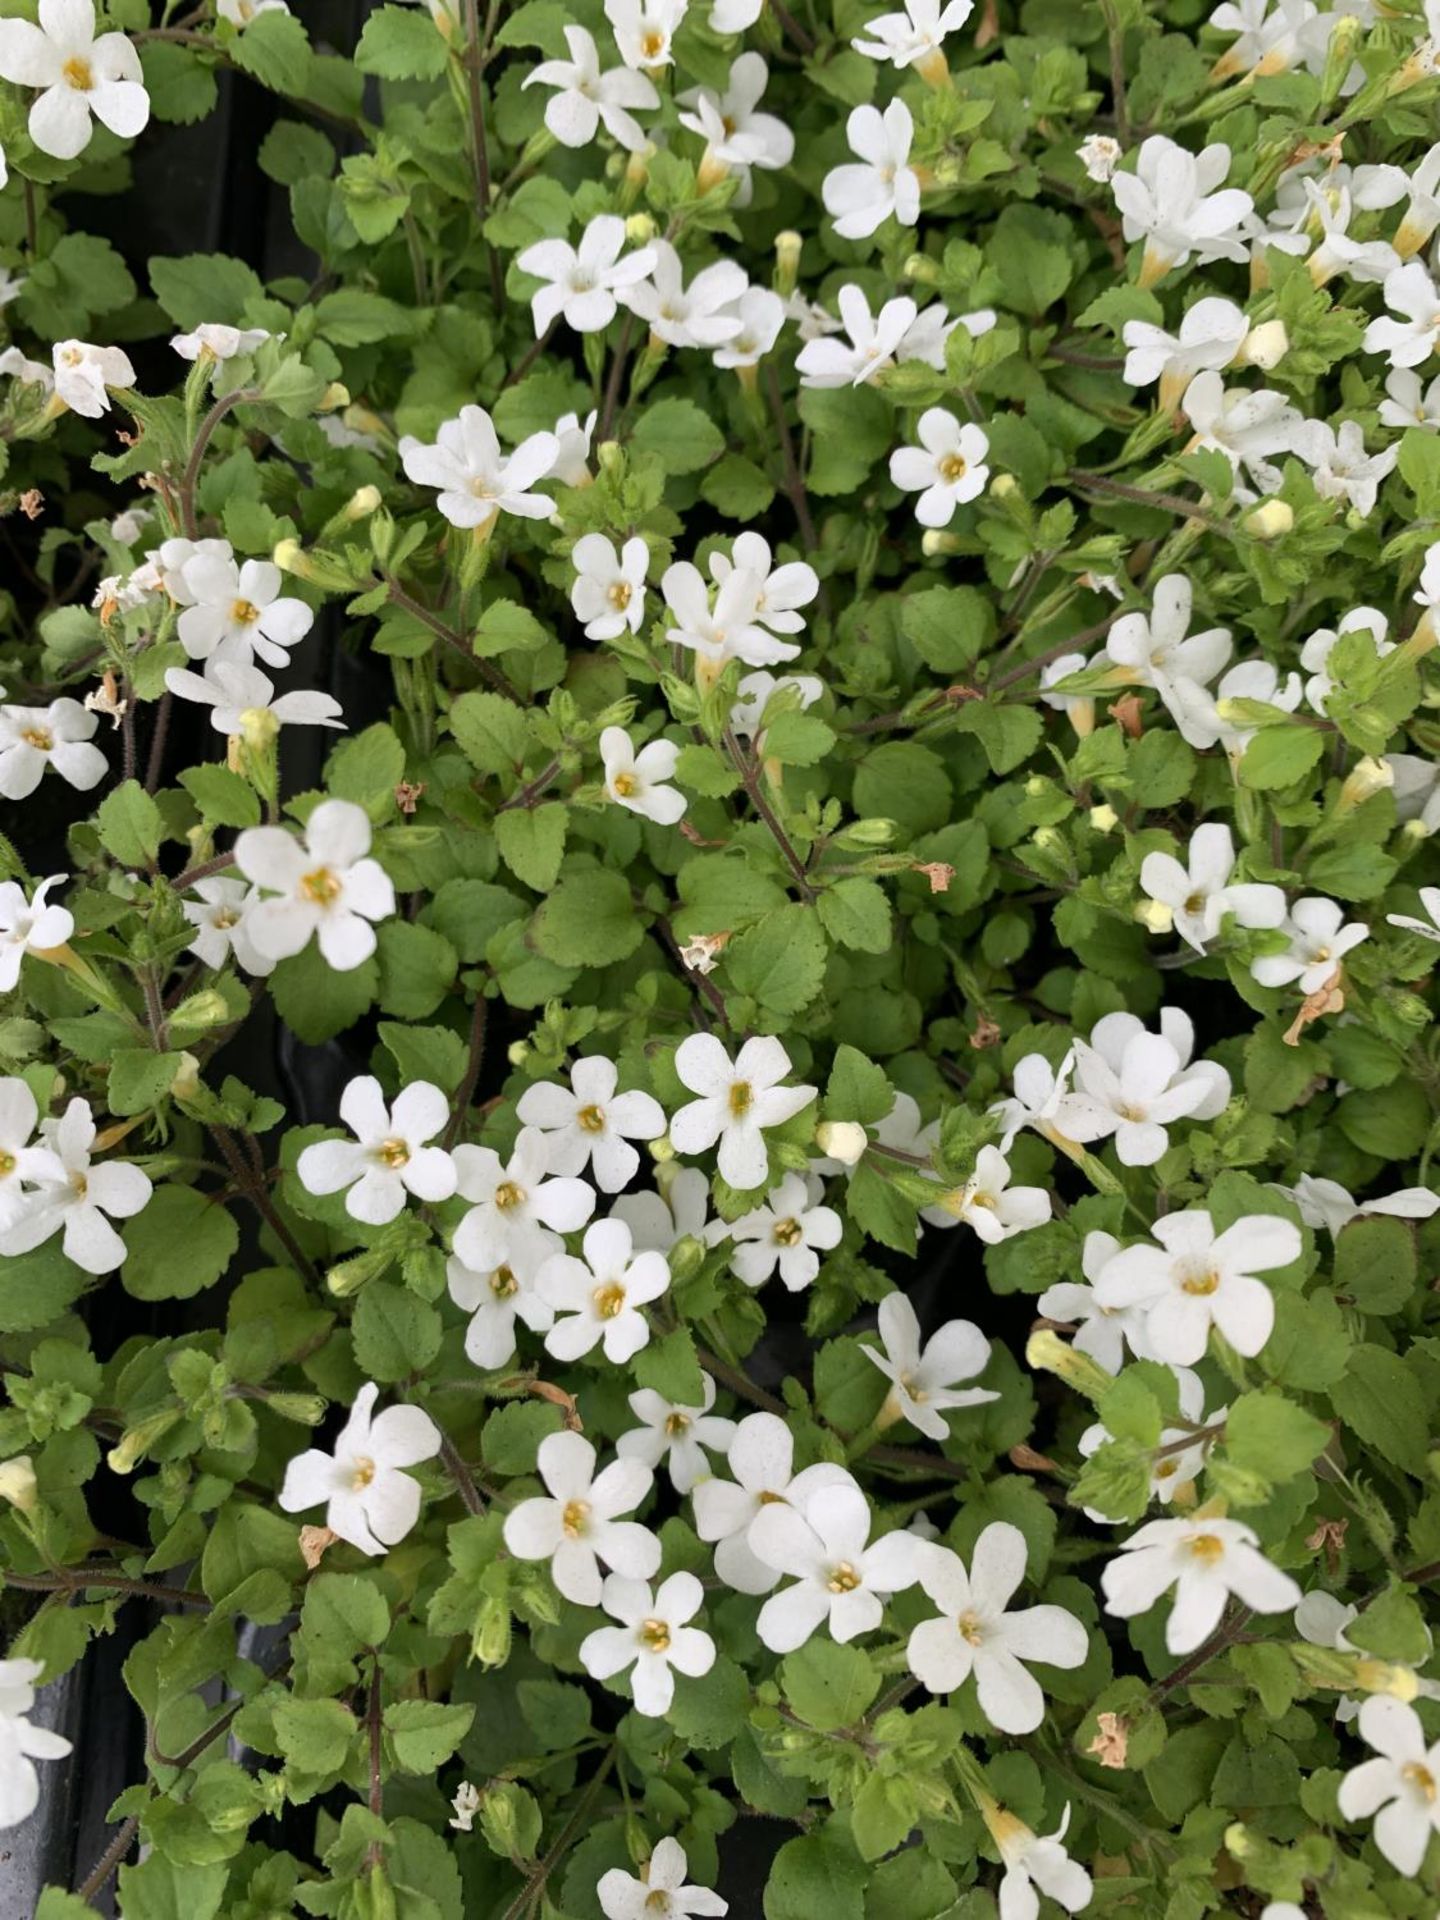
(140, 1079)
(507, 627)
(857, 1088)
(1380, 1400)
(511, 1436)
(314, 1735)
(417, 968)
(164, 1889)
(588, 921)
(205, 287)
(222, 797)
(949, 627)
(36, 1288)
(180, 1244)
(351, 317)
(1279, 756)
(1376, 1264)
(395, 1334)
(344, 1613)
(712, 1710)
(274, 49)
(532, 842)
(1029, 250)
(1008, 734)
(818, 1874)
(855, 913)
(398, 43)
(669, 1366)
(315, 1001)
(130, 825)
(737, 488)
(424, 1733)
(908, 783)
(1271, 1437)
(827, 1685)
(884, 1812)
(682, 435)
(366, 769)
(780, 961)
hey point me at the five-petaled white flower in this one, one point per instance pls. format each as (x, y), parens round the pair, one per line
(1099, 154)
(738, 1100)
(1410, 340)
(1205, 1561)
(585, 98)
(578, 1524)
(976, 1634)
(608, 591)
(1340, 466)
(1132, 1084)
(1319, 936)
(677, 1434)
(754, 693)
(582, 282)
(761, 314)
(644, 29)
(388, 1157)
(58, 736)
(789, 1232)
(946, 469)
(1200, 894)
(779, 592)
(1037, 1860)
(321, 882)
(24, 1162)
(33, 925)
(1175, 202)
(598, 1300)
(83, 374)
(988, 1204)
(636, 781)
(370, 1500)
(237, 612)
(22, 1743)
(1210, 336)
(1400, 1788)
(1197, 1279)
(218, 915)
(1180, 1453)
(218, 342)
(474, 480)
(589, 1124)
(518, 1208)
(495, 1300)
(73, 1196)
(728, 629)
(1157, 649)
(872, 342)
(1325, 1203)
(923, 1377)
(242, 699)
(736, 137)
(913, 38)
(860, 197)
(680, 1209)
(654, 1639)
(698, 315)
(761, 1458)
(839, 1574)
(1247, 427)
(1103, 1332)
(78, 74)
(661, 1893)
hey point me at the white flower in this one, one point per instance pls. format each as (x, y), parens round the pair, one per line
(1319, 937)
(1400, 1788)
(1204, 720)
(761, 315)
(1134, 1084)
(12, 284)
(601, 1296)
(242, 699)
(1157, 648)
(30, 373)
(1039, 1860)
(1246, 427)
(779, 592)
(643, 29)
(738, 1100)
(695, 316)
(840, 1574)
(467, 1802)
(871, 345)
(1205, 1561)
(1200, 894)
(236, 612)
(1416, 786)
(590, 1124)
(583, 281)
(1266, 42)
(1104, 1331)
(790, 1231)
(1172, 203)
(1181, 1452)
(1340, 466)
(859, 198)
(1197, 1279)
(636, 781)
(1325, 1203)
(21, 1743)
(734, 16)
(1408, 404)
(754, 692)
(679, 1210)
(572, 439)
(911, 38)
(219, 342)
(1038, 1100)
(1211, 335)
(79, 75)
(922, 1379)
(75, 1197)
(975, 1634)
(1315, 654)
(1427, 929)
(654, 1640)
(475, 481)
(677, 1434)
(924, 339)
(388, 1158)
(586, 98)
(728, 630)
(30, 926)
(608, 591)
(519, 1209)
(736, 137)
(946, 469)
(58, 736)
(496, 1299)
(84, 374)
(22, 1165)
(240, 13)
(579, 1524)
(1410, 340)
(989, 1205)
(761, 1458)
(661, 1892)
(218, 914)
(1099, 155)
(323, 883)
(370, 1500)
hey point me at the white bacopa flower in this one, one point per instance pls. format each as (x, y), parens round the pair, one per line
(661, 1893)
(644, 29)
(924, 339)
(12, 284)
(729, 629)
(754, 692)
(1409, 403)
(1099, 155)
(320, 882)
(779, 592)
(737, 1100)
(1197, 1279)
(1400, 1788)
(467, 1803)
(1038, 1100)
(579, 1524)
(1133, 1084)
(76, 1198)
(761, 1457)
(33, 925)
(861, 197)
(608, 591)
(734, 16)
(586, 99)
(237, 612)
(698, 315)
(1409, 341)
(1211, 335)
(976, 1634)
(1246, 427)
(678, 1435)
(1427, 929)
(30, 373)
(988, 1204)
(1174, 201)
(240, 13)
(21, 1743)
(518, 1208)
(914, 37)
(83, 373)
(736, 137)
(1200, 894)
(1339, 464)
(1034, 1860)
(1157, 649)
(1416, 785)
(654, 1641)
(589, 1124)
(1319, 936)
(58, 736)
(761, 314)
(1103, 1332)
(495, 1300)
(474, 480)
(571, 466)
(219, 342)
(369, 1499)
(1315, 654)
(1266, 42)
(789, 1233)
(601, 1295)
(636, 781)
(78, 74)
(1325, 1203)
(388, 1157)
(23, 1165)
(922, 1376)
(840, 1575)
(1205, 1561)
(946, 469)
(582, 282)
(242, 699)
(218, 915)
(1180, 1453)
(871, 344)
(680, 1210)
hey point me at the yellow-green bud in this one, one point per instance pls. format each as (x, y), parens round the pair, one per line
(18, 1484)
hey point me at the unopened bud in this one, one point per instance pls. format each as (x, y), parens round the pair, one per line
(936, 543)
(787, 260)
(1104, 819)
(258, 729)
(921, 267)
(1264, 346)
(640, 229)
(335, 396)
(18, 1484)
(196, 1014)
(842, 1140)
(1154, 915)
(518, 1052)
(362, 503)
(1379, 1676)
(1365, 779)
(347, 1277)
(686, 1257)
(305, 1409)
(610, 458)
(186, 1082)
(1046, 1352)
(137, 1441)
(1004, 485)
(1270, 521)
(873, 832)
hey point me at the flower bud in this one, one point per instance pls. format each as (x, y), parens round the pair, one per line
(921, 267)
(1154, 915)
(1046, 1352)
(1004, 486)
(610, 458)
(258, 728)
(937, 543)
(137, 1441)
(686, 1257)
(1264, 346)
(195, 1014)
(873, 832)
(787, 260)
(18, 1484)
(1270, 521)
(362, 503)
(1104, 819)
(335, 396)
(1364, 780)
(186, 1082)
(347, 1277)
(518, 1052)
(842, 1140)
(1378, 1676)
(305, 1409)
(640, 229)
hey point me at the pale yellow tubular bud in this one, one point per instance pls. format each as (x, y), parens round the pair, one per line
(787, 260)
(1365, 779)
(18, 1484)
(1378, 1676)
(640, 229)
(518, 1052)
(1104, 819)
(186, 1082)
(712, 171)
(1272, 520)
(936, 543)
(1154, 266)
(1046, 1352)
(842, 1140)
(1264, 346)
(933, 69)
(335, 396)
(362, 503)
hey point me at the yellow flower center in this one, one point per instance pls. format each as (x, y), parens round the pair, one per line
(618, 594)
(969, 1625)
(609, 1300)
(38, 737)
(226, 918)
(677, 1423)
(769, 1499)
(843, 1579)
(503, 1283)
(508, 1195)
(652, 43)
(1202, 1284)
(573, 1519)
(1207, 1547)
(393, 1154)
(590, 1120)
(244, 613)
(7, 1164)
(952, 468)
(79, 1185)
(655, 1636)
(364, 1473)
(786, 1233)
(320, 886)
(1195, 903)
(77, 74)
(623, 785)
(1419, 1777)
(741, 1098)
